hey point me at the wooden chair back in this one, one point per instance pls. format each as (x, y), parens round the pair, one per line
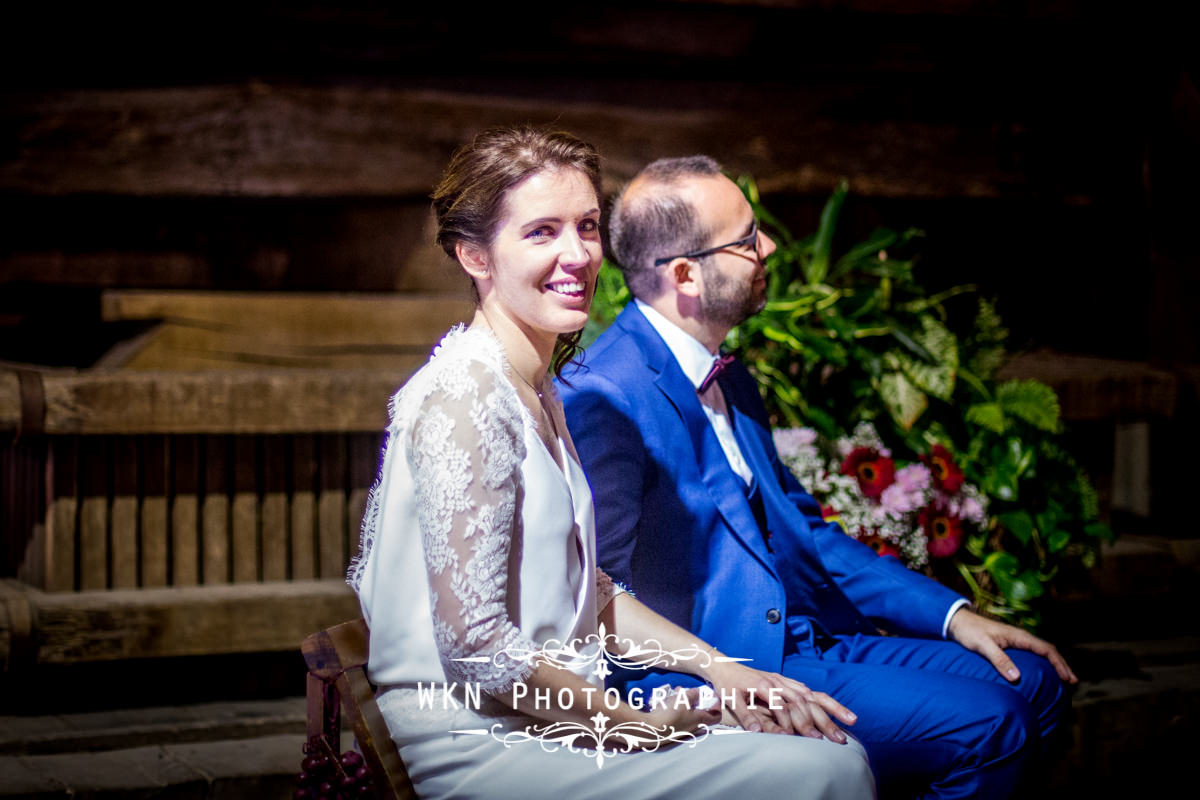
(336, 660)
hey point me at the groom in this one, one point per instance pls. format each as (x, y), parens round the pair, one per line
(697, 516)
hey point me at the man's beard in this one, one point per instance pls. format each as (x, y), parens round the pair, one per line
(726, 301)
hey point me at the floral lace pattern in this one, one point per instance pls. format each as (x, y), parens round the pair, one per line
(462, 430)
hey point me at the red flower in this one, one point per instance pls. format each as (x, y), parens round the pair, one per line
(943, 530)
(946, 474)
(881, 546)
(830, 514)
(873, 471)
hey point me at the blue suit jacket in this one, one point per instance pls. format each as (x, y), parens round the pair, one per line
(674, 526)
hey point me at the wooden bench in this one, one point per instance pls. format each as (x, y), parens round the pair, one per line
(139, 476)
(337, 680)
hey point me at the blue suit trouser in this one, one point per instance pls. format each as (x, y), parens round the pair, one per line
(936, 719)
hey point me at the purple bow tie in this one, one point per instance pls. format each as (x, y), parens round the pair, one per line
(717, 368)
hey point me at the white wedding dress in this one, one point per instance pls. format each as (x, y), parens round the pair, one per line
(477, 545)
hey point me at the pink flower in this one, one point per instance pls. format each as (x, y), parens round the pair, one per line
(972, 510)
(874, 472)
(914, 477)
(908, 492)
(790, 440)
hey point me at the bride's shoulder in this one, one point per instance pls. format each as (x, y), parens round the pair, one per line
(468, 364)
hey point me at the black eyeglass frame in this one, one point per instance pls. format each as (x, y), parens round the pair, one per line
(750, 240)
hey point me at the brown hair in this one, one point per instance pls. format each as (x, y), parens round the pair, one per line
(469, 199)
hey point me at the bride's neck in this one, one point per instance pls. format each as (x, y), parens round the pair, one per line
(528, 354)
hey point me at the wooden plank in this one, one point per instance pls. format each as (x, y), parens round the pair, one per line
(74, 627)
(185, 347)
(123, 532)
(24, 492)
(61, 517)
(185, 463)
(107, 268)
(152, 545)
(241, 140)
(303, 542)
(237, 330)
(1095, 388)
(95, 459)
(331, 507)
(214, 513)
(259, 401)
(244, 511)
(333, 320)
(275, 470)
(364, 461)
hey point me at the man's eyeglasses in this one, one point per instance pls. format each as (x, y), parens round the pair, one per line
(750, 240)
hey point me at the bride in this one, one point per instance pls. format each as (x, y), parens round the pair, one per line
(477, 568)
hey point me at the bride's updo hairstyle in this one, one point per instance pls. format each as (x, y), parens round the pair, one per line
(469, 199)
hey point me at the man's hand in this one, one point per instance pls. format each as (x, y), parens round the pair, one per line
(989, 637)
(802, 711)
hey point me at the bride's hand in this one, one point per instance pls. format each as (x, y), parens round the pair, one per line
(800, 710)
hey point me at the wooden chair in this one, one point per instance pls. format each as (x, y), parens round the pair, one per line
(336, 658)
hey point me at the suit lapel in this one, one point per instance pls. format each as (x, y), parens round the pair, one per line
(724, 487)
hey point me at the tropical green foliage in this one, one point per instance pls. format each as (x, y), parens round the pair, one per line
(850, 336)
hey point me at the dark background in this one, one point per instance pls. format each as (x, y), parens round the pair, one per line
(1048, 149)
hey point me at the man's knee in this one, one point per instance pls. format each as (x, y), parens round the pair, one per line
(1041, 687)
(1006, 726)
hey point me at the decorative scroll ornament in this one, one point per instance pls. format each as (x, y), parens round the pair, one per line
(592, 649)
(599, 741)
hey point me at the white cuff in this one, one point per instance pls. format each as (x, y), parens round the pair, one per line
(959, 603)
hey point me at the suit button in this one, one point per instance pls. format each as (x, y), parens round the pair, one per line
(773, 616)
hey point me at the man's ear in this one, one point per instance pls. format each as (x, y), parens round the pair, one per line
(473, 258)
(684, 273)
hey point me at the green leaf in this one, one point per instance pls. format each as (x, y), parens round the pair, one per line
(1032, 401)
(987, 415)
(1019, 523)
(1002, 565)
(904, 401)
(1018, 455)
(818, 268)
(1098, 530)
(1024, 587)
(1058, 540)
(868, 249)
(936, 379)
(783, 337)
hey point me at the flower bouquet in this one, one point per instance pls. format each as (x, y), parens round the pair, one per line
(914, 512)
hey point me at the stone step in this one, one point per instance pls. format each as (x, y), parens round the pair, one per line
(1135, 719)
(138, 727)
(262, 767)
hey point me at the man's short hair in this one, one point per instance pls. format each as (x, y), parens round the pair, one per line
(657, 223)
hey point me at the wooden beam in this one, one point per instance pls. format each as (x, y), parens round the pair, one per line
(309, 318)
(252, 330)
(1094, 388)
(74, 627)
(261, 140)
(263, 401)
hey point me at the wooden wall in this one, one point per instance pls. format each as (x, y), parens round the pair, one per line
(1047, 148)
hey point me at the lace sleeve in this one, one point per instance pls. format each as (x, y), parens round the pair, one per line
(465, 455)
(606, 589)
